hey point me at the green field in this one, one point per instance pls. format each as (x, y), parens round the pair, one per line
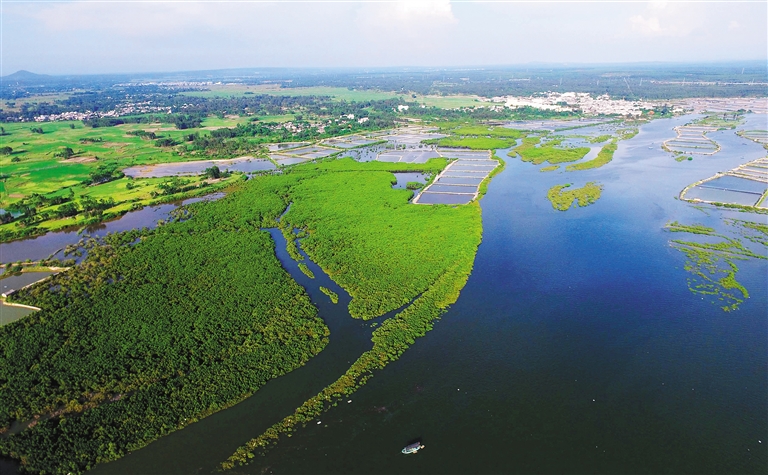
(233, 121)
(35, 167)
(341, 94)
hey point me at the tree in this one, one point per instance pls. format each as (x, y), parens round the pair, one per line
(5, 150)
(65, 153)
(66, 210)
(213, 172)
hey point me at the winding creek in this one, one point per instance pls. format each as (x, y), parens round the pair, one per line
(575, 347)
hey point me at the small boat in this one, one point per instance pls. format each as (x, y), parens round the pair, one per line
(412, 448)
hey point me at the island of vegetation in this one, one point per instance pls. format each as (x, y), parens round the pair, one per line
(306, 270)
(330, 293)
(603, 157)
(532, 150)
(562, 196)
(712, 264)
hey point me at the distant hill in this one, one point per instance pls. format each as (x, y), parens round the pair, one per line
(23, 75)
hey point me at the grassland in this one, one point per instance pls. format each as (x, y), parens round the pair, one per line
(33, 167)
(562, 196)
(722, 121)
(16, 104)
(599, 138)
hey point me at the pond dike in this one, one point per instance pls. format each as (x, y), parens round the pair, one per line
(200, 447)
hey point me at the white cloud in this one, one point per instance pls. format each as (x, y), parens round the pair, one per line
(138, 19)
(105, 36)
(429, 11)
(667, 19)
(646, 26)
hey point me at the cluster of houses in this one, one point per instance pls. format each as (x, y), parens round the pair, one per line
(572, 101)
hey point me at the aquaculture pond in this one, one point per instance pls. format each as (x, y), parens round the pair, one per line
(403, 178)
(576, 346)
(245, 164)
(9, 312)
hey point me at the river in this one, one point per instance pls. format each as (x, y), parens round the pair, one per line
(575, 347)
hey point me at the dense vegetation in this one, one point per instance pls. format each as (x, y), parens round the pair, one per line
(143, 339)
(532, 150)
(649, 81)
(159, 328)
(330, 293)
(603, 157)
(436, 274)
(562, 196)
(337, 210)
(477, 137)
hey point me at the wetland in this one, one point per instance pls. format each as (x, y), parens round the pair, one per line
(560, 339)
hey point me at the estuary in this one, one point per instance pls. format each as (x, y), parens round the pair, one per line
(576, 346)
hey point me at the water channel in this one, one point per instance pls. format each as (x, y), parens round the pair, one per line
(575, 347)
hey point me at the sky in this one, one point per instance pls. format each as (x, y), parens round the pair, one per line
(91, 37)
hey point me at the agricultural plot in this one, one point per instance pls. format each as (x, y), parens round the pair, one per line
(285, 160)
(459, 182)
(277, 147)
(408, 156)
(298, 152)
(312, 152)
(465, 154)
(350, 141)
(745, 185)
(245, 164)
(410, 138)
(553, 125)
(759, 136)
(692, 139)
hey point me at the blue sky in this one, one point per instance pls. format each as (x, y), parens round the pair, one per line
(111, 37)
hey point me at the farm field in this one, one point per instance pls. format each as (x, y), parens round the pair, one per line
(338, 93)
